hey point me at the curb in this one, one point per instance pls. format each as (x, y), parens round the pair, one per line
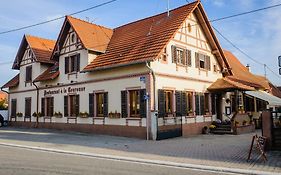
(146, 161)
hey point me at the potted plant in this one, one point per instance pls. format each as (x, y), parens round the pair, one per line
(83, 114)
(190, 112)
(212, 127)
(205, 130)
(207, 112)
(19, 114)
(236, 123)
(35, 114)
(58, 114)
(244, 122)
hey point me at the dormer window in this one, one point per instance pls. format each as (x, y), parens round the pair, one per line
(72, 64)
(28, 74)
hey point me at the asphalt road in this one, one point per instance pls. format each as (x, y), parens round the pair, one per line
(18, 161)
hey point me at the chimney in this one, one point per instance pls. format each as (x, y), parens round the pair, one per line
(248, 67)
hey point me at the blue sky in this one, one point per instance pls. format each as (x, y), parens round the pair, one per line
(258, 34)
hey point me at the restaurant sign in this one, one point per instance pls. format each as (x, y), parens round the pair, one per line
(64, 90)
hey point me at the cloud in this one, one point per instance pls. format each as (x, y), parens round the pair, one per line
(218, 3)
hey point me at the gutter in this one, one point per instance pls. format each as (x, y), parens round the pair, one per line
(114, 66)
(37, 102)
(154, 82)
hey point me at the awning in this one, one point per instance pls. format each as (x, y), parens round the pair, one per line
(271, 99)
(225, 84)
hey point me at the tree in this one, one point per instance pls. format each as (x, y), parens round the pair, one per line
(3, 104)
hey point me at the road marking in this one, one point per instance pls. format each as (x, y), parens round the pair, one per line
(205, 168)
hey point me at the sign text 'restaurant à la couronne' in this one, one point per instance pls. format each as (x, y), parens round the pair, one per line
(64, 90)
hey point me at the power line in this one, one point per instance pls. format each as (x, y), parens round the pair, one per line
(244, 53)
(58, 18)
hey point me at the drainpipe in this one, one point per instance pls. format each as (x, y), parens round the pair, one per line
(37, 103)
(8, 102)
(153, 130)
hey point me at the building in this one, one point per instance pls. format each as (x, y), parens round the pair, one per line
(153, 78)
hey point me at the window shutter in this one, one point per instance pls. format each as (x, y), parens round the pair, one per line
(105, 104)
(43, 107)
(28, 107)
(14, 107)
(188, 57)
(77, 106)
(91, 105)
(78, 63)
(66, 65)
(52, 106)
(197, 104)
(124, 104)
(184, 61)
(183, 103)
(178, 103)
(142, 103)
(161, 103)
(208, 64)
(174, 54)
(202, 104)
(66, 106)
(197, 60)
(214, 108)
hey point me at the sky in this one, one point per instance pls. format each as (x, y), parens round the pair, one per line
(257, 34)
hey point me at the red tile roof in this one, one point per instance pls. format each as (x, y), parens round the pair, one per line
(41, 47)
(142, 40)
(225, 84)
(13, 82)
(94, 37)
(50, 74)
(240, 73)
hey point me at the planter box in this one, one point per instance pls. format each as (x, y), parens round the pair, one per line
(243, 129)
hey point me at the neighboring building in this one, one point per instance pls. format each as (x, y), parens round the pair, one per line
(148, 78)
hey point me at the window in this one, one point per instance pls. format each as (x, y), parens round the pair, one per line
(215, 68)
(202, 61)
(168, 102)
(72, 64)
(214, 104)
(181, 56)
(100, 104)
(134, 102)
(14, 107)
(201, 104)
(29, 53)
(206, 103)
(189, 107)
(73, 38)
(71, 105)
(28, 74)
(189, 27)
(27, 107)
(47, 106)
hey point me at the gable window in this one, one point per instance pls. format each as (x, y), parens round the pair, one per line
(14, 107)
(73, 38)
(71, 105)
(202, 61)
(181, 56)
(29, 53)
(27, 107)
(72, 64)
(28, 74)
(47, 106)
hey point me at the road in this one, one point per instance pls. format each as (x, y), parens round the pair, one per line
(20, 161)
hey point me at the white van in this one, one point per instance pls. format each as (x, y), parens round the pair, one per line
(3, 118)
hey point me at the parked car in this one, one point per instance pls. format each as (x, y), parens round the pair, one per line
(3, 118)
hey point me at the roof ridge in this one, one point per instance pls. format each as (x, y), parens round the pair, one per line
(88, 22)
(28, 35)
(157, 14)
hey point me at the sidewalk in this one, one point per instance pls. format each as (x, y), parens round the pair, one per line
(228, 151)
